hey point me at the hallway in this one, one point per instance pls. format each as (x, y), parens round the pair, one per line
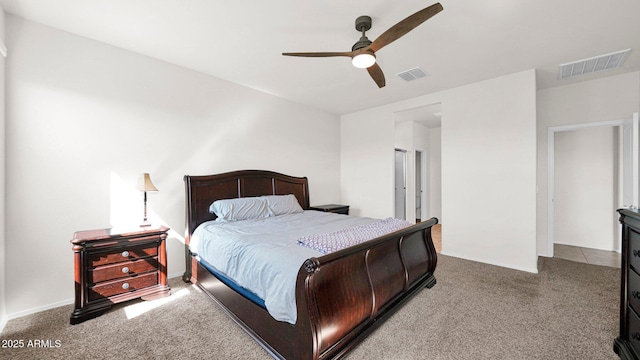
(586, 255)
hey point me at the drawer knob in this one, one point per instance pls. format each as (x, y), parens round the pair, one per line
(635, 294)
(125, 253)
(635, 336)
(125, 286)
(125, 270)
(636, 253)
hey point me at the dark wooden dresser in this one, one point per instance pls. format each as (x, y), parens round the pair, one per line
(627, 345)
(113, 266)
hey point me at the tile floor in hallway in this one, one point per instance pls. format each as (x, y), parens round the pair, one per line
(586, 255)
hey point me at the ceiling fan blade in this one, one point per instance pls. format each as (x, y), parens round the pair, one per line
(377, 75)
(403, 27)
(320, 54)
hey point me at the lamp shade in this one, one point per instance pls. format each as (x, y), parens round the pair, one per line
(145, 184)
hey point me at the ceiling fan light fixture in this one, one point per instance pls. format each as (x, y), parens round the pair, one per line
(364, 60)
(362, 53)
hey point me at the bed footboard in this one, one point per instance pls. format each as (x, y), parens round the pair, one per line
(343, 296)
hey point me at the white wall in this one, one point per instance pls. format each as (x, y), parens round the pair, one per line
(84, 119)
(367, 163)
(586, 196)
(488, 139)
(488, 171)
(3, 308)
(612, 98)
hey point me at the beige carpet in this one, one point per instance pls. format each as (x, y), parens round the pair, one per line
(475, 311)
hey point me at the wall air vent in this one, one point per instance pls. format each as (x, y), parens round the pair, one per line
(594, 64)
(412, 74)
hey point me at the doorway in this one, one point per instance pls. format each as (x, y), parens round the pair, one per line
(565, 205)
(400, 184)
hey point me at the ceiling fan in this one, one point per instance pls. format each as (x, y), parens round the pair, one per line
(362, 53)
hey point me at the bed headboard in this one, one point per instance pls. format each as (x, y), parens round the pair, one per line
(201, 191)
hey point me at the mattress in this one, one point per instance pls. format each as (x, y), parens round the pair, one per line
(263, 255)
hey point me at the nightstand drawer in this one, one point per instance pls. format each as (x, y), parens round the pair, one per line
(123, 269)
(125, 254)
(633, 289)
(634, 329)
(634, 249)
(130, 284)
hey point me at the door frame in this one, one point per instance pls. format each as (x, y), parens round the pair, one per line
(424, 185)
(404, 185)
(551, 131)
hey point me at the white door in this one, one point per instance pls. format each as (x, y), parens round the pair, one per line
(400, 184)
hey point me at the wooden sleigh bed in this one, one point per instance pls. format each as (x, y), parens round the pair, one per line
(341, 297)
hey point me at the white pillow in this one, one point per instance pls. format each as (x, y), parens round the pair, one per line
(282, 204)
(240, 209)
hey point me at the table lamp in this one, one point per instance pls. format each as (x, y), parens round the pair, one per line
(144, 185)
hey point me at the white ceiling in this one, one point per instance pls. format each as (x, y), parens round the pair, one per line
(242, 40)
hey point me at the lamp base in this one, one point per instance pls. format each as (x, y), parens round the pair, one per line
(145, 224)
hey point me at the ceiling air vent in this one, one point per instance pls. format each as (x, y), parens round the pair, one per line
(412, 74)
(594, 64)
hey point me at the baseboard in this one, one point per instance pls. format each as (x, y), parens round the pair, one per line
(533, 270)
(3, 323)
(38, 309)
(4, 320)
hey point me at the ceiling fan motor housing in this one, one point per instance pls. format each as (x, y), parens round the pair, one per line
(363, 23)
(363, 42)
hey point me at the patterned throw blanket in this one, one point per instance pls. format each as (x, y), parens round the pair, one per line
(338, 240)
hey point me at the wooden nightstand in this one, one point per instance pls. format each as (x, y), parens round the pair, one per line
(332, 208)
(113, 266)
